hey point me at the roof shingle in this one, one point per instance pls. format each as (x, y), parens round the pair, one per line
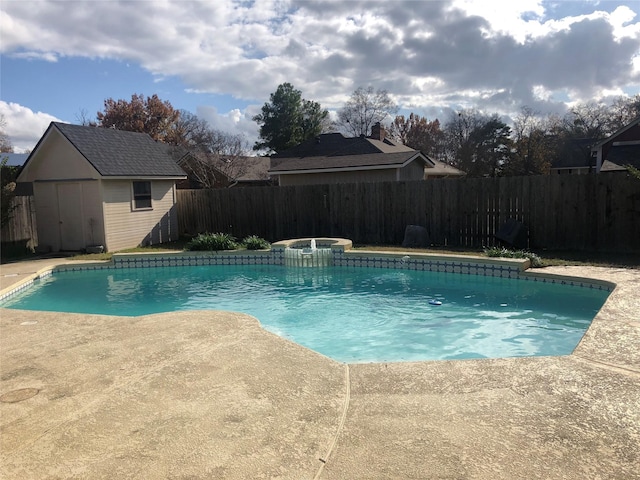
(117, 153)
(334, 150)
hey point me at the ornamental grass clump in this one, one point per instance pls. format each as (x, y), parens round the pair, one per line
(212, 241)
(535, 260)
(253, 242)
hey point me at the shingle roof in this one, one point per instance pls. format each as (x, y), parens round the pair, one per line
(577, 155)
(334, 150)
(620, 156)
(116, 153)
(344, 161)
(255, 169)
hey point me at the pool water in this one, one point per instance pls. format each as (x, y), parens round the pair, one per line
(350, 314)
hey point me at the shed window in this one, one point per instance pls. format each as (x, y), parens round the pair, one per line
(141, 195)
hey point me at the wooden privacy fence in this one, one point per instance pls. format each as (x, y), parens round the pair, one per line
(586, 212)
(22, 224)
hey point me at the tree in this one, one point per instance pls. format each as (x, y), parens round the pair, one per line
(288, 120)
(533, 145)
(493, 146)
(5, 141)
(216, 157)
(588, 120)
(150, 115)
(82, 117)
(7, 176)
(419, 133)
(364, 109)
(623, 111)
(477, 144)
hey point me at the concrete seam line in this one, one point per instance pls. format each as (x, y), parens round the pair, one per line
(323, 460)
(607, 365)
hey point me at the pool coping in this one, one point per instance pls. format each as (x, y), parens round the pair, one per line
(400, 260)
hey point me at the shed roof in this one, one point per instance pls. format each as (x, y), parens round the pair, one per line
(118, 153)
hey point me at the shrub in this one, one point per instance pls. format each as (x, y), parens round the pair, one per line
(212, 241)
(253, 242)
(535, 260)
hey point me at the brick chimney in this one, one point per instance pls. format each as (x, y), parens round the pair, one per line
(378, 132)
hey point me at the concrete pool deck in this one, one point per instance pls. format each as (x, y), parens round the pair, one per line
(204, 395)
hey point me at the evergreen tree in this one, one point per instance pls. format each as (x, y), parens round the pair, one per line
(288, 120)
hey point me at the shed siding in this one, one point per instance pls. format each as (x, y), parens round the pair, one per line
(128, 228)
(57, 159)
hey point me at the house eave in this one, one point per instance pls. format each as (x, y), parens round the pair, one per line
(335, 169)
(142, 177)
(359, 168)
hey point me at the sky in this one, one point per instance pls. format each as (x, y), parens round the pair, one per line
(60, 60)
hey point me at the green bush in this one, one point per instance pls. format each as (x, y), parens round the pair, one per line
(253, 242)
(535, 260)
(212, 241)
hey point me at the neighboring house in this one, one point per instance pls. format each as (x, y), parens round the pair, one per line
(99, 186)
(614, 153)
(224, 172)
(254, 173)
(575, 159)
(14, 159)
(334, 158)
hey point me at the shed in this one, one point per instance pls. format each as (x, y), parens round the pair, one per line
(98, 186)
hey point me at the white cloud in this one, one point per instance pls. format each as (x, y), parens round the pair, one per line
(424, 53)
(621, 19)
(24, 126)
(506, 16)
(46, 56)
(235, 121)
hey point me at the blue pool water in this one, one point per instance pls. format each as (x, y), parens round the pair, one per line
(349, 314)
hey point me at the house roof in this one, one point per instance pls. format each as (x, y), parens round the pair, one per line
(345, 162)
(620, 156)
(334, 151)
(118, 153)
(15, 159)
(244, 169)
(256, 169)
(617, 133)
(577, 155)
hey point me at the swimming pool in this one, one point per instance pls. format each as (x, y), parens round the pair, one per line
(351, 314)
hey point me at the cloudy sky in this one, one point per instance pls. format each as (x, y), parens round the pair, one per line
(222, 59)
